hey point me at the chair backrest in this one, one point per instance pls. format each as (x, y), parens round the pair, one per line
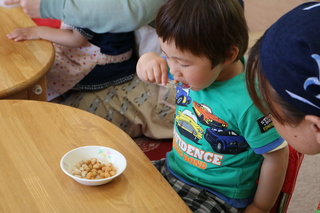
(54, 23)
(295, 160)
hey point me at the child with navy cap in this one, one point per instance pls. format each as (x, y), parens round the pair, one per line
(285, 66)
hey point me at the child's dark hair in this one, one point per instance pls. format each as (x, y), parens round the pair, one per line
(204, 27)
(264, 96)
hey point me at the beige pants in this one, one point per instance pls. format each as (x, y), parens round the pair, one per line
(136, 107)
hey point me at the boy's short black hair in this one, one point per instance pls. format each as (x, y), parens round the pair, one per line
(204, 27)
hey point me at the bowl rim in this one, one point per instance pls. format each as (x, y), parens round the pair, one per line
(94, 180)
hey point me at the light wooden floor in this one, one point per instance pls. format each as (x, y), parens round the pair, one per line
(260, 15)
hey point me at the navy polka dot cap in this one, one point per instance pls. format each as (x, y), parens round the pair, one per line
(290, 57)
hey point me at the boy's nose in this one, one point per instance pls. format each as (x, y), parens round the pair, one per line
(175, 72)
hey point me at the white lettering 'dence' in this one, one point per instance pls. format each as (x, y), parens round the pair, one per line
(193, 155)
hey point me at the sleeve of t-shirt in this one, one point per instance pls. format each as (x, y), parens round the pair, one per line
(259, 132)
(102, 15)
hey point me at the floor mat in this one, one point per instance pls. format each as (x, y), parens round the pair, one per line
(154, 149)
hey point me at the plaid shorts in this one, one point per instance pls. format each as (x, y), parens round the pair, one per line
(199, 200)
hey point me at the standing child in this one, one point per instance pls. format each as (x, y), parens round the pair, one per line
(286, 63)
(84, 60)
(222, 143)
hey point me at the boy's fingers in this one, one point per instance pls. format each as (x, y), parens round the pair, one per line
(150, 76)
(164, 71)
(157, 74)
(11, 35)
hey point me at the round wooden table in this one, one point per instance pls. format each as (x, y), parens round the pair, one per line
(23, 64)
(34, 135)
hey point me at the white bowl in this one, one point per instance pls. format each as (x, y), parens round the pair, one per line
(103, 154)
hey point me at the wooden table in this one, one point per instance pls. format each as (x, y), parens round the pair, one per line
(34, 135)
(23, 64)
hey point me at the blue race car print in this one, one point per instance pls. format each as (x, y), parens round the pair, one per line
(182, 97)
(225, 141)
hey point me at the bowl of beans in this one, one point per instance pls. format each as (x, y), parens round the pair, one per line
(93, 165)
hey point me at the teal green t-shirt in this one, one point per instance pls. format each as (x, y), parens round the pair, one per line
(217, 133)
(126, 15)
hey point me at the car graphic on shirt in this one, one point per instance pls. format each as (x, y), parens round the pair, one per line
(225, 141)
(187, 125)
(182, 96)
(205, 116)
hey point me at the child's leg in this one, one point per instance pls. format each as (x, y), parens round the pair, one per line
(136, 107)
(70, 66)
(198, 200)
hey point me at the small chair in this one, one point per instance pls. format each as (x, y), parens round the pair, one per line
(54, 23)
(295, 160)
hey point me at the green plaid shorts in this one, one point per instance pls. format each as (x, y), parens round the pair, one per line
(199, 200)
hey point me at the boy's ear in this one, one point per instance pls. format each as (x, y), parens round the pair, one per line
(232, 54)
(315, 122)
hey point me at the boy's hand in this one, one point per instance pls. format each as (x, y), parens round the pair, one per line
(152, 68)
(27, 33)
(253, 209)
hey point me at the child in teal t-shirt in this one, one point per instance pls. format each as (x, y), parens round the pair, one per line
(222, 143)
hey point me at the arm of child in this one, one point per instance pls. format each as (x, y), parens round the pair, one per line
(272, 175)
(125, 15)
(64, 37)
(152, 68)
